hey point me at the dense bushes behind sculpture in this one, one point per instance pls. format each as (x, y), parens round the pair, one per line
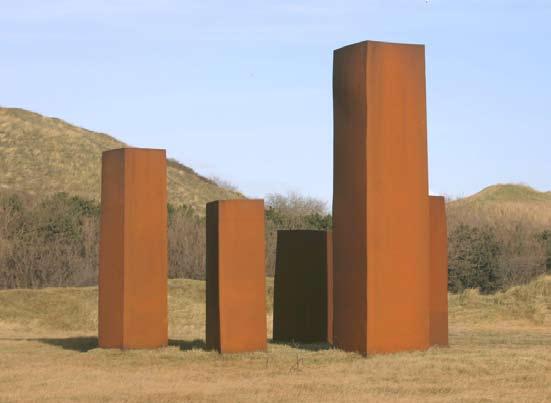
(53, 241)
(473, 259)
(291, 211)
(186, 243)
(495, 247)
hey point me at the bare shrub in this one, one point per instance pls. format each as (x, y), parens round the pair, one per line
(291, 211)
(295, 205)
(186, 244)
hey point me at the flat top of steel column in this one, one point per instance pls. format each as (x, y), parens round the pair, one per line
(378, 43)
(133, 149)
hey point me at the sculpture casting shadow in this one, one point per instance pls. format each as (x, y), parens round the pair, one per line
(81, 344)
(186, 345)
(84, 344)
(303, 346)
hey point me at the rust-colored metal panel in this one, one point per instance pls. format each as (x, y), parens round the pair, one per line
(236, 300)
(133, 311)
(438, 272)
(302, 286)
(212, 286)
(111, 251)
(380, 199)
(349, 200)
(329, 260)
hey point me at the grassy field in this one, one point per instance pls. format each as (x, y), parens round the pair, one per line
(500, 351)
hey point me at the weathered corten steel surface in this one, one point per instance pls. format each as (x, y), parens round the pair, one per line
(380, 199)
(303, 286)
(236, 304)
(133, 259)
(438, 272)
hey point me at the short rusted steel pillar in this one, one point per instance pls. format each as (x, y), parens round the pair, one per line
(303, 286)
(236, 291)
(133, 258)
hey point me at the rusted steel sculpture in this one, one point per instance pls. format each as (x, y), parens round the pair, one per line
(236, 304)
(380, 199)
(303, 287)
(438, 272)
(133, 249)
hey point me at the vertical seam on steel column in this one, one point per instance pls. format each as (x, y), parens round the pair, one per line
(328, 286)
(426, 168)
(124, 250)
(218, 272)
(364, 55)
(165, 244)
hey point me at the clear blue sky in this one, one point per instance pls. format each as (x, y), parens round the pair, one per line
(242, 89)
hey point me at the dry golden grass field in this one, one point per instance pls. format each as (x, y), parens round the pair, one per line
(500, 351)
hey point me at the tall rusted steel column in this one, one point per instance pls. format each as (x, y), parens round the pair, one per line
(438, 272)
(303, 286)
(380, 198)
(236, 296)
(133, 255)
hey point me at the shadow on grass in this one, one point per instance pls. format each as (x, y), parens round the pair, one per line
(186, 345)
(303, 346)
(84, 344)
(81, 344)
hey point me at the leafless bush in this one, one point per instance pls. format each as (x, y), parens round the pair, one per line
(291, 211)
(186, 244)
(295, 205)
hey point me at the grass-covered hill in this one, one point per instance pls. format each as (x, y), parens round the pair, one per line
(507, 193)
(505, 200)
(41, 155)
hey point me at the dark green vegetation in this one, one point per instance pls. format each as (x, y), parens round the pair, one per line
(498, 238)
(50, 242)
